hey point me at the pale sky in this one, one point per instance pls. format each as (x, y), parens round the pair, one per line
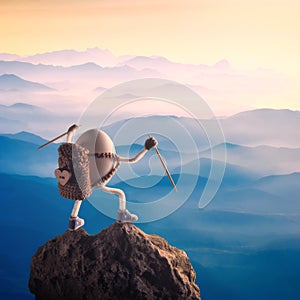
(256, 33)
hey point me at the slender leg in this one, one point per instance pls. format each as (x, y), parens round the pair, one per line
(120, 193)
(123, 214)
(76, 208)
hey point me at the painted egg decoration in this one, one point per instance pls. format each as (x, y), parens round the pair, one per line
(101, 151)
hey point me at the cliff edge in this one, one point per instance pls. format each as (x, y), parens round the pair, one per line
(120, 262)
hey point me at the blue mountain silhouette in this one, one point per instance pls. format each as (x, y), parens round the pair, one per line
(250, 228)
(11, 82)
(226, 248)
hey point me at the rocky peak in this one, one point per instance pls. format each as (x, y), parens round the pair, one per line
(120, 262)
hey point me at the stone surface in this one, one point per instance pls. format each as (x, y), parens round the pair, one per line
(120, 262)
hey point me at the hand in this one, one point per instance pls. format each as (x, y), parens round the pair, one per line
(150, 143)
(73, 128)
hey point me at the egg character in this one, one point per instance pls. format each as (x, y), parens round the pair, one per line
(98, 162)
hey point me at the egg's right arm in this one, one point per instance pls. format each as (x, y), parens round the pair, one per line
(135, 159)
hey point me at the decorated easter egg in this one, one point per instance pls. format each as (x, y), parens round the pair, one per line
(101, 153)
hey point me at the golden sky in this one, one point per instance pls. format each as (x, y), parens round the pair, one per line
(256, 33)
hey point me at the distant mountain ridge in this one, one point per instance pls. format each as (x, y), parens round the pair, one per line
(269, 160)
(220, 83)
(34, 119)
(26, 137)
(11, 82)
(87, 75)
(263, 127)
(263, 160)
(69, 57)
(248, 128)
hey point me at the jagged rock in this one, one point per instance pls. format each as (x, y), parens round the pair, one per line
(121, 262)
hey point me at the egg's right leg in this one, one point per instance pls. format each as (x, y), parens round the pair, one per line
(123, 214)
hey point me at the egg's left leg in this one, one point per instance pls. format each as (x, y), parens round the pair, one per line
(123, 214)
(74, 221)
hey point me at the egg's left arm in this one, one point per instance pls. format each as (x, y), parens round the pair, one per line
(150, 143)
(71, 132)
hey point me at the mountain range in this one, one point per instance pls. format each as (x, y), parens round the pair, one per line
(247, 128)
(270, 160)
(20, 117)
(250, 227)
(85, 76)
(243, 245)
(227, 244)
(69, 57)
(263, 127)
(79, 73)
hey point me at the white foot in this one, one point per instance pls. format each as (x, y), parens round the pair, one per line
(126, 216)
(75, 223)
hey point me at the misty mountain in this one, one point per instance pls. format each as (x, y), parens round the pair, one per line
(161, 123)
(26, 137)
(17, 110)
(276, 154)
(225, 247)
(99, 89)
(251, 128)
(25, 117)
(69, 57)
(21, 157)
(276, 128)
(219, 83)
(234, 175)
(11, 125)
(255, 201)
(86, 76)
(105, 58)
(263, 127)
(285, 186)
(242, 190)
(11, 82)
(262, 160)
(167, 67)
(9, 56)
(222, 85)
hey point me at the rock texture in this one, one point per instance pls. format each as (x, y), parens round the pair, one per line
(121, 262)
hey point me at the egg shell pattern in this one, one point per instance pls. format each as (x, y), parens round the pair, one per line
(98, 142)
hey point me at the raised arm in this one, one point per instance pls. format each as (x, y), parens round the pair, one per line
(150, 143)
(71, 132)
